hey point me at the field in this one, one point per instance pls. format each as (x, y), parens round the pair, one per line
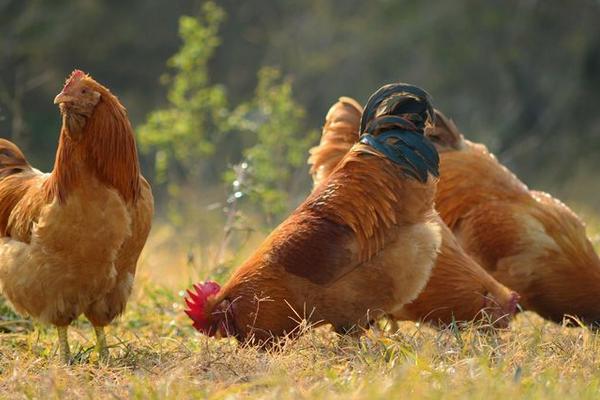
(156, 354)
(226, 99)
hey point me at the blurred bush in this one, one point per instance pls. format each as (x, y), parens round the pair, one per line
(197, 138)
(278, 156)
(520, 75)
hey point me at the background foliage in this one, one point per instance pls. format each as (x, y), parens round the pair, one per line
(210, 86)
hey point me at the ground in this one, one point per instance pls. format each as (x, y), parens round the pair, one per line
(156, 354)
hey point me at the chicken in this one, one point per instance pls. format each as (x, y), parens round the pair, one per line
(361, 245)
(458, 289)
(340, 133)
(526, 239)
(70, 240)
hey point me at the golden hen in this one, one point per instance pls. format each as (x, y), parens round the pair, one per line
(459, 289)
(70, 240)
(361, 245)
(526, 239)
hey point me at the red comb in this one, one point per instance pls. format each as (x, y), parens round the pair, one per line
(75, 76)
(196, 302)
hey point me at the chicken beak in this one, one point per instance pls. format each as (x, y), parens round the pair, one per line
(62, 97)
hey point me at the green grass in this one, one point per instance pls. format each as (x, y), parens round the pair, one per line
(156, 354)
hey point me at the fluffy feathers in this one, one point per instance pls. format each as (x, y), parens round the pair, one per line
(336, 258)
(71, 239)
(527, 240)
(458, 289)
(339, 135)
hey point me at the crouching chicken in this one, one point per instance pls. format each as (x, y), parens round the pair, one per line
(70, 240)
(526, 239)
(459, 288)
(360, 246)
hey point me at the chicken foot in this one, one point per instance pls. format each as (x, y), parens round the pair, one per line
(101, 346)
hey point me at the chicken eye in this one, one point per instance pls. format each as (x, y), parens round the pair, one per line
(83, 91)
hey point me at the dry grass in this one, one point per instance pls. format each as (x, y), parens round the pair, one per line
(156, 354)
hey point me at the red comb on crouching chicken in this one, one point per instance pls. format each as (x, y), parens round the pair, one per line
(204, 321)
(196, 303)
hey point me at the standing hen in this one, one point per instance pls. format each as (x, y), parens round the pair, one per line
(362, 245)
(527, 240)
(459, 289)
(70, 240)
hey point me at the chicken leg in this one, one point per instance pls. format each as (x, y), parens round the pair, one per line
(101, 346)
(63, 345)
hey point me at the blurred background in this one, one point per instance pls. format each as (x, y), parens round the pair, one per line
(227, 97)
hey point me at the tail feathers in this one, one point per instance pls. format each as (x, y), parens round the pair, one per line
(424, 148)
(12, 160)
(411, 102)
(340, 133)
(410, 149)
(445, 135)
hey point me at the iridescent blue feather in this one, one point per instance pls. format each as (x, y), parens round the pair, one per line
(408, 149)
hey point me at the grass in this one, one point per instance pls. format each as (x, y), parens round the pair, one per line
(156, 354)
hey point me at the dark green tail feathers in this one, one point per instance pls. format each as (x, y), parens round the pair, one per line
(393, 123)
(401, 99)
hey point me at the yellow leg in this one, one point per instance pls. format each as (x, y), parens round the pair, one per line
(101, 343)
(63, 345)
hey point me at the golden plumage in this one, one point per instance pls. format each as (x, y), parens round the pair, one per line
(360, 246)
(71, 239)
(335, 259)
(459, 288)
(527, 240)
(340, 133)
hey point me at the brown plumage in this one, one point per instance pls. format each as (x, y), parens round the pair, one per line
(340, 133)
(459, 289)
(360, 246)
(71, 239)
(527, 240)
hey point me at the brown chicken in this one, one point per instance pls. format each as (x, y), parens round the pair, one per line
(527, 240)
(70, 240)
(458, 289)
(361, 245)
